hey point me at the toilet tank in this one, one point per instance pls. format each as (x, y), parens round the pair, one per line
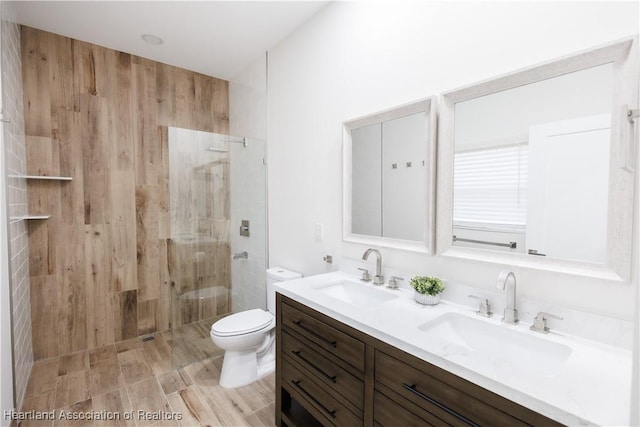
(274, 275)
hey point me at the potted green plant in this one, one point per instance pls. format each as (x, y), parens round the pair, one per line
(427, 289)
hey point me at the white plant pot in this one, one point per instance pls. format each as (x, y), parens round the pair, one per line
(426, 299)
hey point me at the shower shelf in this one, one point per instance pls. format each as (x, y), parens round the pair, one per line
(38, 177)
(45, 177)
(29, 217)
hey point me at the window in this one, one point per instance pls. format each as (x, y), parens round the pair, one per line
(490, 190)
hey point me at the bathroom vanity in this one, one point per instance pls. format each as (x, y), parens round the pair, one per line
(340, 362)
(341, 376)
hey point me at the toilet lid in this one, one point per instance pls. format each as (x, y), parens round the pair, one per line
(242, 323)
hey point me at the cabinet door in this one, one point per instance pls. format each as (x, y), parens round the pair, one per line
(412, 383)
(315, 362)
(388, 413)
(329, 338)
(327, 407)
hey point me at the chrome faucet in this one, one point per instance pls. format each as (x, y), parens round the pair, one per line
(378, 279)
(510, 312)
(540, 322)
(366, 277)
(393, 282)
(484, 308)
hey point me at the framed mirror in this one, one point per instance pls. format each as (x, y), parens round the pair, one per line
(389, 177)
(536, 168)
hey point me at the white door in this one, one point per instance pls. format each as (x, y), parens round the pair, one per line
(568, 188)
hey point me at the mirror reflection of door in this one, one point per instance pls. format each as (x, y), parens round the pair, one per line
(389, 178)
(531, 167)
(568, 189)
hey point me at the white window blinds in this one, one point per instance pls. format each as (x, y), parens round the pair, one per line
(490, 188)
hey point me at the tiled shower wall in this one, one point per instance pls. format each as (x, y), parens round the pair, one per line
(248, 201)
(15, 155)
(248, 101)
(99, 266)
(248, 118)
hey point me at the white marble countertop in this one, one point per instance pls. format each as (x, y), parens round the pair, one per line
(592, 387)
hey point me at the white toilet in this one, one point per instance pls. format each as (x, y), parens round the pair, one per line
(248, 338)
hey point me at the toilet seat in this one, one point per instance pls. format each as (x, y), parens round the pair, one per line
(242, 323)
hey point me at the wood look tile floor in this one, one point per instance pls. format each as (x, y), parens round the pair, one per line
(136, 375)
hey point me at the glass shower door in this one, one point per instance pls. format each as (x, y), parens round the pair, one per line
(213, 185)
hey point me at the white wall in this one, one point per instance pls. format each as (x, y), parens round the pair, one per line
(355, 58)
(635, 384)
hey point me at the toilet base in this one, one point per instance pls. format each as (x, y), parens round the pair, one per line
(266, 366)
(240, 368)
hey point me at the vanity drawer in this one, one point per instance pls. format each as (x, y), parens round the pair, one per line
(318, 399)
(387, 413)
(439, 398)
(329, 338)
(309, 360)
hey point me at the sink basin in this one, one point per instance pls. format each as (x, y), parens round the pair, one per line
(482, 344)
(355, 294)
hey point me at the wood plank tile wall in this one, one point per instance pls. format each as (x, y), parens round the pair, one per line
(99, 267)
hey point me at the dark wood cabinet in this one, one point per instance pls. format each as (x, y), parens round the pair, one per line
(320, 365)
(387, 413)
(330, 374)
(316, 361)
(321, 334)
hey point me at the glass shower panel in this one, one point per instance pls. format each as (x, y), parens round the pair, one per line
(208, 194)
(248, 206)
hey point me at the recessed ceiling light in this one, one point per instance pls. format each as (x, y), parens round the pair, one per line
(152, 39)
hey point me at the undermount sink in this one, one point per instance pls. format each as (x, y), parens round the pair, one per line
(355, 294)
(478, 342)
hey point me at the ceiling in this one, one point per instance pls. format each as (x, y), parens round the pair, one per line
(217, 38)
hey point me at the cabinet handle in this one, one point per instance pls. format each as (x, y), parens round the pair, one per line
(299, 324)
(412, 388)
(332, 414)
(331, 378)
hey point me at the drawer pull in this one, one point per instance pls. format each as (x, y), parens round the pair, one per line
(412, 388)
(332, 414)
(299, 324)
(331, 378)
